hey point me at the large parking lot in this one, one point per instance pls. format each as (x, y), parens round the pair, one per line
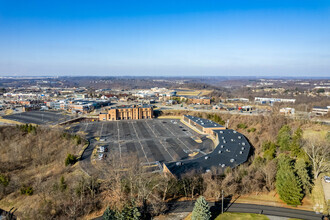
(39, 117)
(153, 141)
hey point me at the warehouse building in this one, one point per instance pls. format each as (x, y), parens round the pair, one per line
(126, 112)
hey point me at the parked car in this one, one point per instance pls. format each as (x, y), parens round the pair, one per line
(327, 179)
(103, 149)
(102, 156)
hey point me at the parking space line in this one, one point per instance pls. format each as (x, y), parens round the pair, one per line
(168, 129)
(152, 130)
(119, 144)
(161, 142)
(135, 131)
(184, 144)
(86, 127)
(145, 155)
(101, 129)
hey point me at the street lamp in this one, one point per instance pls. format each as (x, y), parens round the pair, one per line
(222, 202)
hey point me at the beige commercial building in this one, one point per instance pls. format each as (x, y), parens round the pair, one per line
(133, 112)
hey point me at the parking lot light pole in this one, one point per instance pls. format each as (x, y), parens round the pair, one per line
(222, 202)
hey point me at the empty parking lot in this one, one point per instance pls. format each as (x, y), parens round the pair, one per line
(152, 141)
(39, 117)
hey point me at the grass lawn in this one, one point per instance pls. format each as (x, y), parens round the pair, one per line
(320, 204)
(241, 216)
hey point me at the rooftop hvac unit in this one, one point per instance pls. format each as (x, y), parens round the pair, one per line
(232, 160)
(243, 143)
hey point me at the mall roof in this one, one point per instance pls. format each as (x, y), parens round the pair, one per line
(233, 149)
(206, 123)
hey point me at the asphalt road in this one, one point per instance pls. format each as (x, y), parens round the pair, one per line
(187, 206)
(176, 207)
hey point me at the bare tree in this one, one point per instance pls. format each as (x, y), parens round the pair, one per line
(318, 150)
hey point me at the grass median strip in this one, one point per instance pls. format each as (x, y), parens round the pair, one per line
(241, 216)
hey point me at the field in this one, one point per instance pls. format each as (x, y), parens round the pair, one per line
(152, 141)
(38, 117)
(188, 92)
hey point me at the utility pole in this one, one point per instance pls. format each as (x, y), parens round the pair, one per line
(222, 202)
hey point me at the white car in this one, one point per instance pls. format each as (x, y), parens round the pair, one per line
(103, 149)
(102, 156)
(327, 179)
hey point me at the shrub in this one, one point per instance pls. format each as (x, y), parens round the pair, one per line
(242, 126)
(77, 139)
(63, 184)
(70, 160)
(4, 180)
(27, 190)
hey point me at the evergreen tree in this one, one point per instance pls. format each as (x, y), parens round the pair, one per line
(129, 212)
(284, 138)
(288, 185)
(269, 149)
(295, 147)
(201, 210)
(302, 171)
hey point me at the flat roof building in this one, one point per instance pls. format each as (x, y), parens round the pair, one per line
(126, 112)
(273, 100)
(320, 110)
(203, 125)
(231, 150)
(200, 100)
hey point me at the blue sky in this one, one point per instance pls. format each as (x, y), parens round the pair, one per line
(165, 37)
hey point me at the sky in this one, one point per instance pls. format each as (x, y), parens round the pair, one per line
(165, 38)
